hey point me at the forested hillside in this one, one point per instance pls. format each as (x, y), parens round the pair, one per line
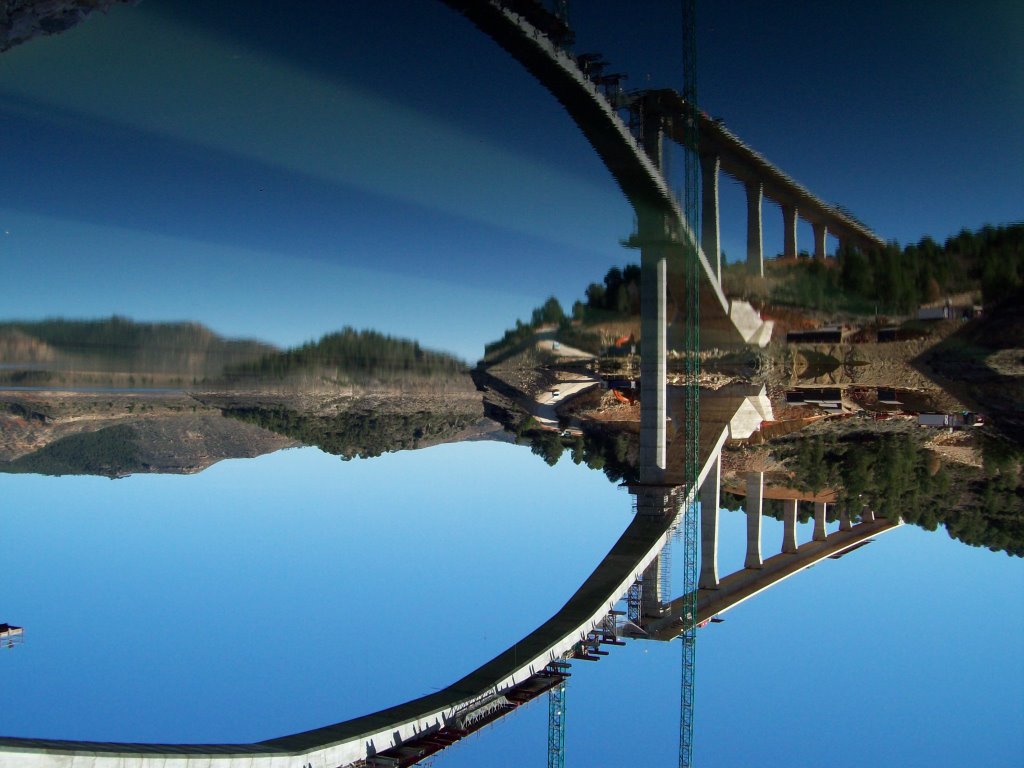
(351, 355)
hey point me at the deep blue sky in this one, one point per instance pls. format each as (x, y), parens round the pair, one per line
(281, 174)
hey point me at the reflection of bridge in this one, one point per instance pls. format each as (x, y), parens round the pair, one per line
(403, 734)
(717, 595)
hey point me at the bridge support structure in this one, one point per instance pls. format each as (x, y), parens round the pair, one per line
(789, 519)
(755, 239)
(820, 518)
(754, 504)
(820, 240)
(845, 524)
(710, 228)
(716, 594)
(710, 502)
(789, 222)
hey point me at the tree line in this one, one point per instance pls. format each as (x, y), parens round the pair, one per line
(356, 354)
(990, 259)
(894, 475)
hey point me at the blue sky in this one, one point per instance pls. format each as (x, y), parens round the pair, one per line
(390, 167)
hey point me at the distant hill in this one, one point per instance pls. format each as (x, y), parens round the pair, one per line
(355, 357)
(117, 345)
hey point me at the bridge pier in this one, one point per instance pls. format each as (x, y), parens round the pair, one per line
(820, 239)
(755, 491)
(651, 603)
(653, 363)
(653, 231)
(789, 515)
(710, 501)
(820, 509)
(711, 236)
(845, 524)
(755, 244)
(789, 221)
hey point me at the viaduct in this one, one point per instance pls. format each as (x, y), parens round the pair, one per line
(404, 734)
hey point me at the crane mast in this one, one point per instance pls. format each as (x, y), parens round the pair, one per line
(691, 208)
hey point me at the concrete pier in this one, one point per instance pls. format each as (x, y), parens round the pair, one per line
(711, 236)
(789, 516)
(710, 502)
(755, 489)
(820, 239)
(789, 220)
(755, 244)
(820, 510)
(845, 524)
(651, 602)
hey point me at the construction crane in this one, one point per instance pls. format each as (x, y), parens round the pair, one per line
(691, 209)
(556, 717)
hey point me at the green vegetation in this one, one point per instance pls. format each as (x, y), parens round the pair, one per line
(611, 451)
(111, 451)
(618, 297)
(351, 355)
(894, 475)
(896, 279)
(363, 433)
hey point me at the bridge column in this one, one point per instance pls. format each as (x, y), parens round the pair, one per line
(789, 219)
(820, 508)
(651, 604)
(653, 363)
(845, 524)
(789, 510)
(820, 238)
(711, 240)
(755, 491)
(755, 246)
(653, 231)
(844, 243)
(710, 501)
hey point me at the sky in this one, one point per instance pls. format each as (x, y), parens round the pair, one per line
(390, 167)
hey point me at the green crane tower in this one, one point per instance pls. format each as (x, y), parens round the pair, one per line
(691, 209)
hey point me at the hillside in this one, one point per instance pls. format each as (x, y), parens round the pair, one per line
(109, 351)
(117, 435)
(351, 357)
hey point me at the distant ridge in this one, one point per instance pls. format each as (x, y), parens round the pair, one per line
(120, 345)
(351, 356)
